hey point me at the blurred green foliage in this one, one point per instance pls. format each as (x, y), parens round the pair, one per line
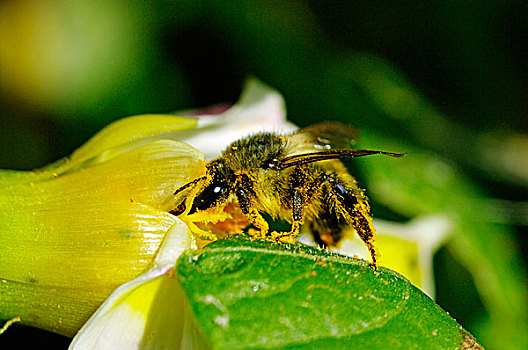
(446, 80)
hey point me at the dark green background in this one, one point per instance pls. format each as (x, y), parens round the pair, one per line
(467, 57)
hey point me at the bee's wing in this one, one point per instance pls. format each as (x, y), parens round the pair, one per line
(330, 135)
(325, 141)
(312, 157)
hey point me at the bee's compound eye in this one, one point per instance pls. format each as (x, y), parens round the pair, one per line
(209, 196)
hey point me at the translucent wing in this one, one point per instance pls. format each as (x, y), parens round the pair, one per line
(325, 141)
(330, 135)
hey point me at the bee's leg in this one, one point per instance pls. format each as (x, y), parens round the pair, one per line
(297, 205)
(244, 194)
(251, 213)
(199, 233)
(297, 211)
(305, 184)
(367, 233)
(354, 207)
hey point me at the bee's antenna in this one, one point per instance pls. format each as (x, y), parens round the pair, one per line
(305, 158)
(189, 184)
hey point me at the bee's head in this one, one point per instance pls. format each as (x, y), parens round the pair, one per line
(217, 191)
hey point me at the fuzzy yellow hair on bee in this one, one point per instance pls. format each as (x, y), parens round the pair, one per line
(298, 178)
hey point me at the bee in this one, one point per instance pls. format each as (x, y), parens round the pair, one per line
(298, 178)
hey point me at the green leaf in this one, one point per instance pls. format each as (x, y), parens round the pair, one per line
(254, 294)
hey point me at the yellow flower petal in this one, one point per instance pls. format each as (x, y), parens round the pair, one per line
(136, 130)
(68, 242)
(148, 312)
(75, 230)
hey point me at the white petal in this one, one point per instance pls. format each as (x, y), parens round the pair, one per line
(260, 108)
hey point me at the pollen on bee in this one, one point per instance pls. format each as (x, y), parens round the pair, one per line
(298, 178)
